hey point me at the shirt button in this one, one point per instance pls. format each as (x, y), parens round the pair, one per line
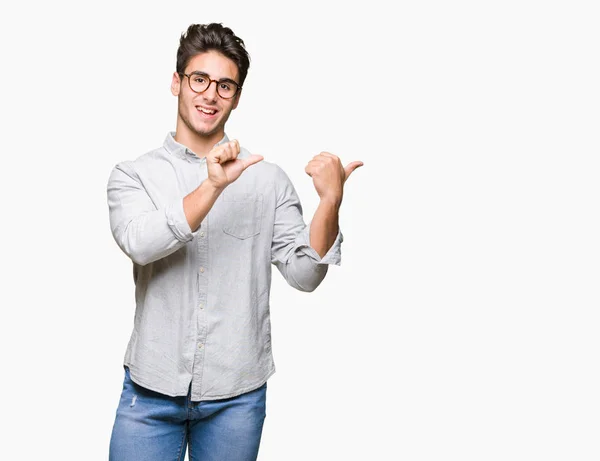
(200, 346)
(201, 234)
(202, 269)
(201, 306)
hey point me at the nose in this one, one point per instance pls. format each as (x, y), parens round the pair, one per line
(210, 93)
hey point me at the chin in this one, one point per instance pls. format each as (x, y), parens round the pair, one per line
(199, 129)
(202, 127)
(206, 131)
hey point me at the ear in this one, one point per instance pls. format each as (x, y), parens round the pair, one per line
(175, 84)
(237, 99)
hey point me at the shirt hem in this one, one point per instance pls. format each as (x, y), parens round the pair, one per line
(133, 373)
(237, 393)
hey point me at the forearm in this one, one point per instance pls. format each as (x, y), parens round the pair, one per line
(324, 226)
(145, 233)
(198, 203)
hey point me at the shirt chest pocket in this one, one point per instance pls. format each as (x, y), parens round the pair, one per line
(243, 214)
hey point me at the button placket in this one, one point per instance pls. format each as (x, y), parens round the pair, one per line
(202, 328)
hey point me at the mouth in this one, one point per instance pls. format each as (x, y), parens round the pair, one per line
(206, 112)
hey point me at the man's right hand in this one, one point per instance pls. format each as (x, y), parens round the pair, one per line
(223, 165)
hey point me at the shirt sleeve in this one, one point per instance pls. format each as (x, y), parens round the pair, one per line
(144, 232)
(291, 253)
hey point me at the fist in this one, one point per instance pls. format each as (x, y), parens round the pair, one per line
(224, 166)
(329, 175)
(224, 152)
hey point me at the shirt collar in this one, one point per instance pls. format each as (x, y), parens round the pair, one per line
(181, 151)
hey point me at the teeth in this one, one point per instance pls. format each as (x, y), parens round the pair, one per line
(207, 111)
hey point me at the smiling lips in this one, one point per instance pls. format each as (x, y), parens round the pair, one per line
(206, 112)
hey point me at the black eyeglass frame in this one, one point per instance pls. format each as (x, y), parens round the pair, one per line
(210, 80)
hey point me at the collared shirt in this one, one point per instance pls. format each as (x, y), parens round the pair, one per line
(202, 297)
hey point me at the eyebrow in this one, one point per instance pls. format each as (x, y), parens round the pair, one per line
(204, 74)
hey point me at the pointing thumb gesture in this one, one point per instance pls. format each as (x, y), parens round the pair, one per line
(348, 169)
(329, 175)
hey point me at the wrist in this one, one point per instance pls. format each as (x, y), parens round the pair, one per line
(333, 201)
(211, 188)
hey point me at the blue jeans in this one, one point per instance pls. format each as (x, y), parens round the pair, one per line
(150, 426)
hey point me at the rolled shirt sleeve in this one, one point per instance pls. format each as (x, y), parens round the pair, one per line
(142, 230)
(291, 253)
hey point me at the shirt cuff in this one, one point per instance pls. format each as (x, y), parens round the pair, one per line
(178, 223)
(333, 255)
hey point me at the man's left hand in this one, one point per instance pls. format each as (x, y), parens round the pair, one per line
(329, 175)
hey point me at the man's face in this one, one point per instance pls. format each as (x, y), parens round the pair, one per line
(205, 113)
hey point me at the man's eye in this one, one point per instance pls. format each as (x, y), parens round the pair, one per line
(225, 86)
(199, 79)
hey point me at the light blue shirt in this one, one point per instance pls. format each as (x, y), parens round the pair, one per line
(202, 297)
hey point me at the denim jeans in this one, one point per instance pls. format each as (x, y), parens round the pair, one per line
(150, 426)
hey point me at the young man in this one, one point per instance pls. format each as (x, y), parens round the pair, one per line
(203, 220)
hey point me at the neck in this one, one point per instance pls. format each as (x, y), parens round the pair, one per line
(200, 145)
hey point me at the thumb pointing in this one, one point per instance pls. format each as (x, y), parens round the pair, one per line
(351, 167)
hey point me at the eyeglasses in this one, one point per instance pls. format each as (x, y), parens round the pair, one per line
(199, 83)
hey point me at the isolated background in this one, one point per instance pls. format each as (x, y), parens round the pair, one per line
(463, 322)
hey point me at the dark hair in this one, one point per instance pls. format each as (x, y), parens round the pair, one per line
(200, 38)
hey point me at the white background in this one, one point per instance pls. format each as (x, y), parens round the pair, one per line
(463, 322)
